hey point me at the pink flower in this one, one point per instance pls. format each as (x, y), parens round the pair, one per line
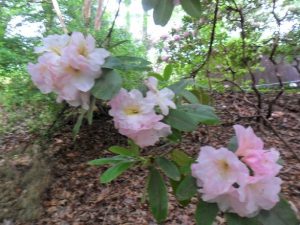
(164, 37)
(83, 51)
(263, 162)
(165, 58)
(217, 171)
(259, 193)
(54, 43)
(135, 117)
(149, 133)
(162, 98)
(247, 140)
(186, 34)
(177, 37)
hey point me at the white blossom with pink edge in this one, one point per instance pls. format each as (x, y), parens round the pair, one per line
(217, 171)
(163, 98)
(134, 117)
(54, 44)
(68, 67)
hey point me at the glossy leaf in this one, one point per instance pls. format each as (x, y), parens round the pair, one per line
(168, 72)
(163, 12)
(281, 214)
(112, 160)
(168, 167)
(126, 63)
(192, 7)
(115, 171)
(180, 120)
(107, 86)
(156, 75)
(186, 189)
(206, 213)
(180, 85)
(122, 151)
(189, 96)
(181, 158)
(157, 194)
(234, 219)
(200, 113)
(233, 144)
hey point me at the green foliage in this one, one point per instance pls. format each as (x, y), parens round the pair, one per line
(168, 167)
(123, 151)
(234, 219)
(107, 85)
(157, 195)
(206, 213)
(233, 144)
(281, 214)
(186, 189)
(192, 7)
(115, 171)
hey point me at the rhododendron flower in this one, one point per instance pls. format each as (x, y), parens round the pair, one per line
(165, 58)
(43, 73)
(130, 109)
(177, 37)
(162, 98)
(218, 170)
(135, 117)
(68, 67)
(53, 43)
(149, 133)
(247, 140)
(263, 162)
(82, 51)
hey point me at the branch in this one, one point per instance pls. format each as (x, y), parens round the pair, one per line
(107, 39)
(98, 15)
(212, 38)
(59, 14)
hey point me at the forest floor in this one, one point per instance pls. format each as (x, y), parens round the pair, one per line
(50, 182)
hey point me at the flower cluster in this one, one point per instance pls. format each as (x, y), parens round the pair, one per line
(135, 116)
(68, 67)
(243, 182)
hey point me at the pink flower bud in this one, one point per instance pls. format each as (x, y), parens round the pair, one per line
(165, 58)
(164, 37)
(186, 34)
(177, 37)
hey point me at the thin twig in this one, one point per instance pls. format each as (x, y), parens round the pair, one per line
(107, 39)
(60, 17)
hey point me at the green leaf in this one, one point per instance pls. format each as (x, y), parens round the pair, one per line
(206, 213)
(126, 63)
(200, 113)
(167, 72)
(192, 7)
(122, 151)
(187, 188)
(163, 12)
(175, 185)
(233, 144)
(118, 43)
(234, 219)
(180, 85)
(181, 120)
(78, 124)
(175, 136)
(112, 160)
(107, 86)
(189, 96)
(168, 167)
(149, 4)
(115, 171)
(281, 214)
(134, 147)
(157, 193)
(181, 158)
(156, 75)
(202, 96)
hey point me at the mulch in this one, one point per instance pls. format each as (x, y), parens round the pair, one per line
(75, 196)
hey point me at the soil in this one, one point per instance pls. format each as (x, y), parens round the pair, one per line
(66, 191)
